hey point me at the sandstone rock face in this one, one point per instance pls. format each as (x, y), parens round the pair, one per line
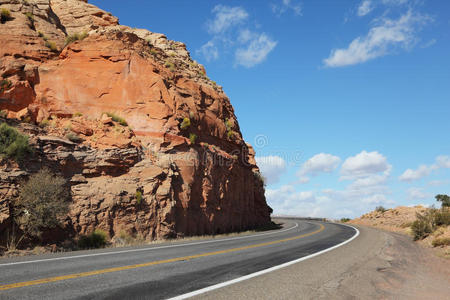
(196, 179)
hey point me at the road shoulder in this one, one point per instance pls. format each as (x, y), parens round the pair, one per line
(376, 265)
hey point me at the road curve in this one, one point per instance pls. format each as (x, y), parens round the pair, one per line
(166, 270)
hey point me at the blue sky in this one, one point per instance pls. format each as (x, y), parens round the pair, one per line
(346, 102)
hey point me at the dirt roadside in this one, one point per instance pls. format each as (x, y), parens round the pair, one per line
(376, 265)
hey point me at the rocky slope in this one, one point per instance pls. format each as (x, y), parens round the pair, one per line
(63, 64)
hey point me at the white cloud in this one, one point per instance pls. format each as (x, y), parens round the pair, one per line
(209, 51)
(272, 167)
(364, 8)
(383, 38)
(417, 193)
(438, 182)
(442, 162)
(319, 163)
(260, 45)
(286, 5)
(365, 164)
(394, 2)
(225, 18)
(412, 175)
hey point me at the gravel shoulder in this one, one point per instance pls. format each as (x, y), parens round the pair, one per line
(376, 265)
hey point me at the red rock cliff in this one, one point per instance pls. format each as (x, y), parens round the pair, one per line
(190, 186)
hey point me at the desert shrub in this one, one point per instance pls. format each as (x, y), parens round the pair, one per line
(185, 124)
(44, 123)
(75, 37)
(73, 137)
(5, 15)
(77, 114)
(169, 65)
(13, 144)
(41, 34)
(421, 228)
(43, 201)
(117, 119)
(30, 17)
(3, 113)
(441, 241)
(51, 45)
(230, 134)
(441, 217)
(192, 138)
(96, 239)
(345, 220)
(445, 199)
(138, 197)
(380, 209)
(5, 84)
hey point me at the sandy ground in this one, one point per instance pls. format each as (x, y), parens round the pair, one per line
(376, 265)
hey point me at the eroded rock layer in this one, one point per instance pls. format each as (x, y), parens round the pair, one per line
(65, 65)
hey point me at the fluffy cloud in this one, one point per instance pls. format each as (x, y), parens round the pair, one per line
(410, 175)
(272, 167)
(225, 18)
(319, 163)
(286, 5)
(365, 164)
(417, 193)
(227, 31)
(364, 8)
(259, 46)
(209, 51)
(386, 36)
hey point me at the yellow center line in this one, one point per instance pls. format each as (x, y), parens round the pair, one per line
(152, 263)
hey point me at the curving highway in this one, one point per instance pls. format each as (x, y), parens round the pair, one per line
(172, 270)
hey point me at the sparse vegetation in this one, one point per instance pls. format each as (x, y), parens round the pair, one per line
(192, 138)
(13, 144)
(345, 220)
(170, 65)
(73, 137)
(44, 123)
(30, 17)
(3, 113)
(260, 178)
(96, 239)
(41, 204)
(380, 209)
(51, 45)
(77, 114)
(430, 221)
(441, 241)
(75, 37)
(185, 124)
(117, 119)
(138, 197)
(5, 15)
(5, 84)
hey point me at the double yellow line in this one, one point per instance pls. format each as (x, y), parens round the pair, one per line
(148, 264)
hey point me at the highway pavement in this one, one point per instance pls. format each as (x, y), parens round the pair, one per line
(165, 270)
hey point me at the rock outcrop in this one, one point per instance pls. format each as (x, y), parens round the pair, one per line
(146, 119)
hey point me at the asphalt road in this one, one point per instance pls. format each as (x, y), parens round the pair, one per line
(165, 270)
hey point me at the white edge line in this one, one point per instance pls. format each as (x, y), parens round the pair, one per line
(144, 249)
(252, 275)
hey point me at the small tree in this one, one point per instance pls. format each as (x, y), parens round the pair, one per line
(445, 199)
(41, 203)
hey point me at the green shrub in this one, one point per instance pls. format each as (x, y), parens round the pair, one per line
(230, 134)
(345, 220)
(13, 144)
(441, 217)
(380, 209)
(117, 119)
(5, 84)
(75, 37)
(185, 124)
(5, 15)
(138, 197)
(442, 241)
(73, 137)
(51, 45)
(421, 228)
(169, 65)
(445, 199)
(30, 17)
(192, 138)
(77, 114)
(41, 34)
(44, 123)
(44, 199)
(96, 239)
